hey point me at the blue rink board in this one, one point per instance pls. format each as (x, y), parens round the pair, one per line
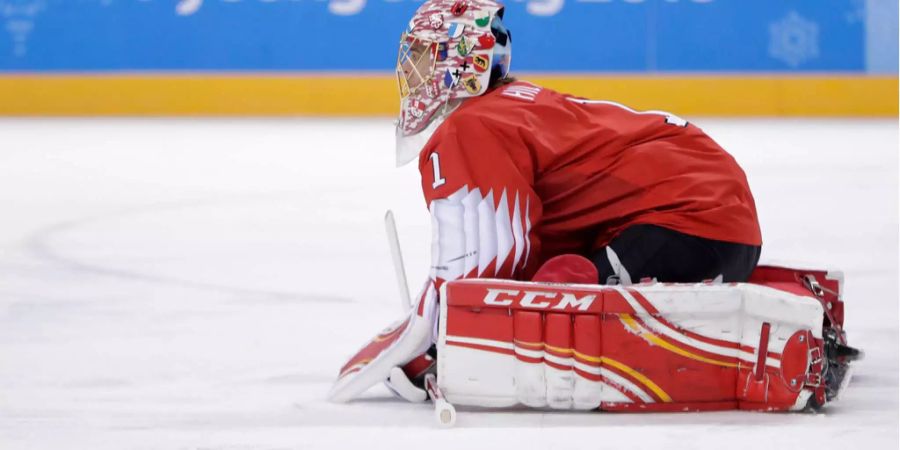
(360, 35)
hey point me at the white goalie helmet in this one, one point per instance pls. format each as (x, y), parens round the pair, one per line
(451, 50)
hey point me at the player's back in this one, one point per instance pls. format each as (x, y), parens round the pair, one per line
(599, 167)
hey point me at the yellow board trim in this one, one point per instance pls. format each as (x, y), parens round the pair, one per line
(376, 94)
(646, 334)
(742, 95)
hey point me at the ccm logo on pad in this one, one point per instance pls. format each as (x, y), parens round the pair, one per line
(537, 299)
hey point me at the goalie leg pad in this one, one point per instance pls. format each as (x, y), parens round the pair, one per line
(558, 360)
(528, 347)
(649, 347)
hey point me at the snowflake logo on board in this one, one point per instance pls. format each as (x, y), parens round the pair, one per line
(793, 39)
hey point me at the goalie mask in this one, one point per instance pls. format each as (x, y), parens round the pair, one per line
(451, 50)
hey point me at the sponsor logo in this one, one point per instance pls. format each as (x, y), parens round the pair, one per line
(538, 299)
(463, 256)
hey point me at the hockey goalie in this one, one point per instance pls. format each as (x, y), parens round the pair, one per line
(585, 255)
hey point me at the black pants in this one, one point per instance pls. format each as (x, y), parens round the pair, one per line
(669, 256)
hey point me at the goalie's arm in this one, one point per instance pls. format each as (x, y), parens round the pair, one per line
(483, 209)
(482, 202)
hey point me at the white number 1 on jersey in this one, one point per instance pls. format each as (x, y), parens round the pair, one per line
(436, 165)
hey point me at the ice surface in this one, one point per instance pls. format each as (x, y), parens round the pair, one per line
(195, 284)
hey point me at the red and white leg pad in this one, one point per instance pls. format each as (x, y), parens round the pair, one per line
(646, 347)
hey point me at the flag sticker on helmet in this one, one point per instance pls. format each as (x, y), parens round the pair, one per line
(416, 109)
(473, 86)
(432, 88)
(456, 30)
(459, 7)
(480, 62)
(486, 41)
(483, 21)
(465, 46)
(451, 78)
(436, 20)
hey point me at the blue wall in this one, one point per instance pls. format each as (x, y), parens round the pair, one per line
(361, 35)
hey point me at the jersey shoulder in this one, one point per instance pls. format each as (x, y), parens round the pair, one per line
(481, 131)
(522, 95)
(505, 107)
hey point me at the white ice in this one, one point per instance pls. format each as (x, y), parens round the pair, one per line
(197, 283)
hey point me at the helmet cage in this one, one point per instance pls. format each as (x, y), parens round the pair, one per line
(415, 64)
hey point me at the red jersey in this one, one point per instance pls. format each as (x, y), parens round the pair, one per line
(523, 173)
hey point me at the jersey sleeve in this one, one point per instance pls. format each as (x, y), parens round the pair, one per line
(478, 184)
